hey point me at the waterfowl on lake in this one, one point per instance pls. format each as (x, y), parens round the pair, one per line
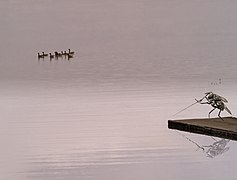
(40, 55)
(51, 56)
(69, 55)
(63, 52)
(70, 52)
(44, 54)
(57, 54)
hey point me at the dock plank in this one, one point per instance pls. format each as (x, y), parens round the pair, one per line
(226, 128)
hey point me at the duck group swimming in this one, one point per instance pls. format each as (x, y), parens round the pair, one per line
(56, 55)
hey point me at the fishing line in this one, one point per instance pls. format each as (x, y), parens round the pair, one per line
(197, 101)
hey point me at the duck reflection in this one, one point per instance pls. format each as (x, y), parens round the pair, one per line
(216, 148)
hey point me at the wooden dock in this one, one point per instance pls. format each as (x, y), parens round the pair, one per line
(226, 128)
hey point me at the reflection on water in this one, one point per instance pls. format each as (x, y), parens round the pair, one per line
(216, 148)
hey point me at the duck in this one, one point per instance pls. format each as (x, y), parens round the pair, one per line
(51, 56)
(69, 55)
(70, 52)
(40, 56)
(63, 53)
(57, 54)
(44, 54)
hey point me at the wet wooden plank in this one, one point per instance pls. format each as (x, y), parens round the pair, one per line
(226, 128)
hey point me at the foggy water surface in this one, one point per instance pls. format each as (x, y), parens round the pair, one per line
(102, 115)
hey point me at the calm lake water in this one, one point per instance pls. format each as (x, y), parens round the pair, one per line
(102, 115)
